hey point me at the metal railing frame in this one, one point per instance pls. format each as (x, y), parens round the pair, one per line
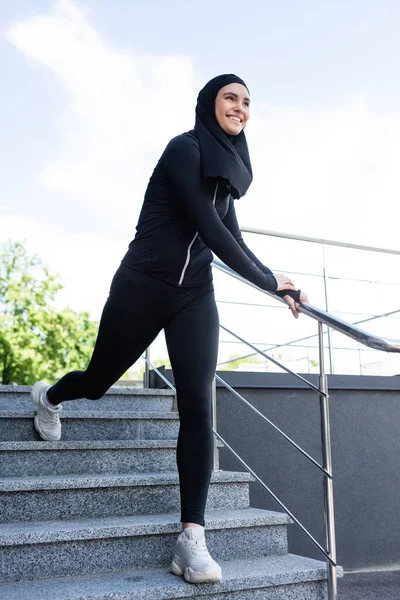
(315, 240)
(323, 318)
(323, 242)
(361, 336)
(309, 337)
(348, 329)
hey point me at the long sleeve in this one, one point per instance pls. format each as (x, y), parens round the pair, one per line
(231, 223)
(181, 162)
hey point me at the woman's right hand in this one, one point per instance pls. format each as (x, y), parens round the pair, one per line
(284, 282)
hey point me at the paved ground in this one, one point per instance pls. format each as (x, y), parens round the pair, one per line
(380, 585)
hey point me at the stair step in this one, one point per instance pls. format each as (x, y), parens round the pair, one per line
(42, 532)
(285, 577)
(80, 457)
(17, 397)
(95, 515)
(93, 424)
(84, 496)
(69, 548)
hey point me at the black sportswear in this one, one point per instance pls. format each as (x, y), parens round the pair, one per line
(138, 307)
(184, 217)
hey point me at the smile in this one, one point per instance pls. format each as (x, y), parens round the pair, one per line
(236, 119)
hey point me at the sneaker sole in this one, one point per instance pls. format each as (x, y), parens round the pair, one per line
(206, 577)
(175, 569)
(211, 576)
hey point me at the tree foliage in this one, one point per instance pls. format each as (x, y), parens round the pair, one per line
(36, 340)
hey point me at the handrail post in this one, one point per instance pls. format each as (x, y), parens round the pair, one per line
(327, 308)
(214, 422)
(147, 369)
(327, 463)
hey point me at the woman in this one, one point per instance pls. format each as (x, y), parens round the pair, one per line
(165, 282)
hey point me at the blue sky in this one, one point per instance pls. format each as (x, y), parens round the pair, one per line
(92, 90)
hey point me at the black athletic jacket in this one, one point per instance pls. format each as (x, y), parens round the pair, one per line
(183, 218)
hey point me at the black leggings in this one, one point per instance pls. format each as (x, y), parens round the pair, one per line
(138, 307)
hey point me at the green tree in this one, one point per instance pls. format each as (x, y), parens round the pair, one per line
(36, 340)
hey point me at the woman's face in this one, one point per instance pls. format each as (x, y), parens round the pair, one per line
(232, 108)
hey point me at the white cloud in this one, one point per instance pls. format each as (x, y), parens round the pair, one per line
(120, 111)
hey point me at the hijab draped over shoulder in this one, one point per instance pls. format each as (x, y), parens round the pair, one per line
(222, 155)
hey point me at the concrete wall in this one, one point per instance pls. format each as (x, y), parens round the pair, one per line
(365, 426)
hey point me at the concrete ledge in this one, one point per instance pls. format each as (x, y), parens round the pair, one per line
(268, 381)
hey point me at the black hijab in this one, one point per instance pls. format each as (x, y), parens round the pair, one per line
(222, 155)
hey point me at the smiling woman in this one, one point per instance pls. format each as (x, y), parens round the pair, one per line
(165, 282)
(232, 108)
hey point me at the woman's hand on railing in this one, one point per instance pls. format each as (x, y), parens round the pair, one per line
(303, 297)
(293, 305)
(284, 282)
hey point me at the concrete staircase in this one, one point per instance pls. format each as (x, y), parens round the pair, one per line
(96, 515)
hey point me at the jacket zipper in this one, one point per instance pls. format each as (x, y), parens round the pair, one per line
(191, 244)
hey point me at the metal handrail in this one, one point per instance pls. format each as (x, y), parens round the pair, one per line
(308, 337)
(276, 362)
(274, 346)
(281, 504)
(282, 433)
(348, 329)
(330, 555)
(315, 240)
(323, 244)
(148, 364)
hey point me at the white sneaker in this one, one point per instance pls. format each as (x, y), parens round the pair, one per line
(192, 559)
(47, 420)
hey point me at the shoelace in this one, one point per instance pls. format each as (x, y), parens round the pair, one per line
(198, 547)
(52, 417)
